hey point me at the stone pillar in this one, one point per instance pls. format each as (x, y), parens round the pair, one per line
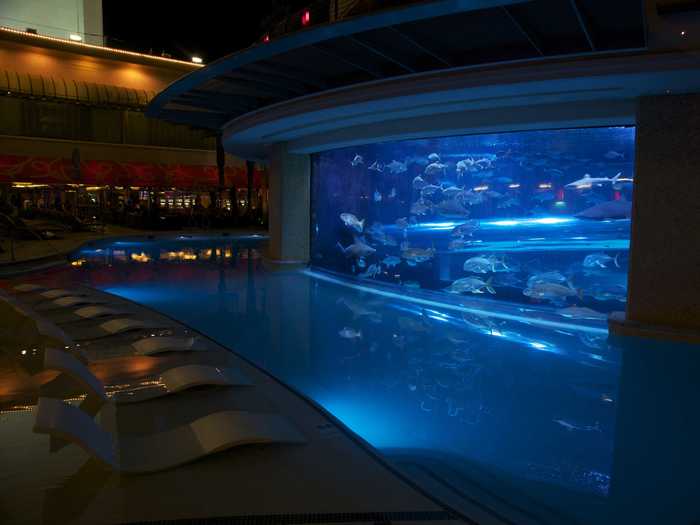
(290, 199)
(664, 272)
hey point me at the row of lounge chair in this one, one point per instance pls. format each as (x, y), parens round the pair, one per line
(76, 327)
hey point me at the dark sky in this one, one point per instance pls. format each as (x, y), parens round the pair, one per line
(207, 28)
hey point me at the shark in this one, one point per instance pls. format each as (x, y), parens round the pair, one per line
(588, 182)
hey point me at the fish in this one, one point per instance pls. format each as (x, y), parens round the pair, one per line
(429, 189)
(420, 207)
(617, 209)
(352, 222)
(571, 427)
(357, 160)
(402, 223)
(581, 312)
(392, 193)
(377, 196)
(397, 167)
(552, 291)
(508, 202)
(508, 279)
(556, 172)
(625, 183)
(434, 169)
(350, 333)
(376, 166)
(452, 208)
(371, 272)
(601, 260)
(471, 284)
(546, 277)
(588, 182)
(472, 197)
(615, 292)
(458, 244)
(357, 308)
(414, 255)
(479, 264)
(419, 183)
(391, 260)
(465, 229)
(614, 155)
(451, 192)
(597, 342)
(463, 166)
(376, 231)
(358, 249)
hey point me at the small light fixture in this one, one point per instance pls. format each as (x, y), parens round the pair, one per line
(306, 17)
(682, 33)
(75, 38)
(197, 60)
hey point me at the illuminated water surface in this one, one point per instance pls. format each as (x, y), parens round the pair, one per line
(515, 405)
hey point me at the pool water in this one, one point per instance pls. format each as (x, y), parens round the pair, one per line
(516, 406)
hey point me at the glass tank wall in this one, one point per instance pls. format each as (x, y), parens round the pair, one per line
(537, 217)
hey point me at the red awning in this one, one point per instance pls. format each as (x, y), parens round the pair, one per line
(39, 170)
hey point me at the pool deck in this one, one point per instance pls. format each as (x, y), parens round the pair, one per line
(333, 478)
(32, 254)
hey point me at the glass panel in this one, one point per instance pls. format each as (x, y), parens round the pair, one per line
(535, 217)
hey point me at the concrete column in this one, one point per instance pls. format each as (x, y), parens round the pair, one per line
(664, 273)
(655, 461)
(290, 199)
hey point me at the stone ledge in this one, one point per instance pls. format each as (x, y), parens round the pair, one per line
(618, 325)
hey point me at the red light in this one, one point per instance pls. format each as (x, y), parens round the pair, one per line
(266, 38)
(305, 17)
(560, 194)
(617, 196)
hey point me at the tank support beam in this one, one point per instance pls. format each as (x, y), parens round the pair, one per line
(664, 278)
(290, 200)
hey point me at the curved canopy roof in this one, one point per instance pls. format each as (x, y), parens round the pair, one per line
(50, 87)
(428, 36)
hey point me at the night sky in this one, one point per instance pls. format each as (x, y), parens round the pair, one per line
(210, 29)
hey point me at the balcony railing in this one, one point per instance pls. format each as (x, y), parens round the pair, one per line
(326, 11)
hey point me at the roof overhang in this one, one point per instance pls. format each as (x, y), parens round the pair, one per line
(557, 93)
(432, 37)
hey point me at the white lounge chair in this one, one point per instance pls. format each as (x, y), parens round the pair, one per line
(168, 343)
(70, 301)
(161, 451)
(169, 382)
(28, 288)
(71, 366)
(181, 378)
(124, 324)
(56, 293)
(96, 311)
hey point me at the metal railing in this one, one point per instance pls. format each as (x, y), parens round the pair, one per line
(325, 11)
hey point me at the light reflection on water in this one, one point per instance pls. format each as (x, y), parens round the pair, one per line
(514, 400)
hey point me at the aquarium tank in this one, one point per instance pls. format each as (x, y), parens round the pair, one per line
(535, 217)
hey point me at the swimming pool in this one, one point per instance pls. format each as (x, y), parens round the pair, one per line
(516, 407)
